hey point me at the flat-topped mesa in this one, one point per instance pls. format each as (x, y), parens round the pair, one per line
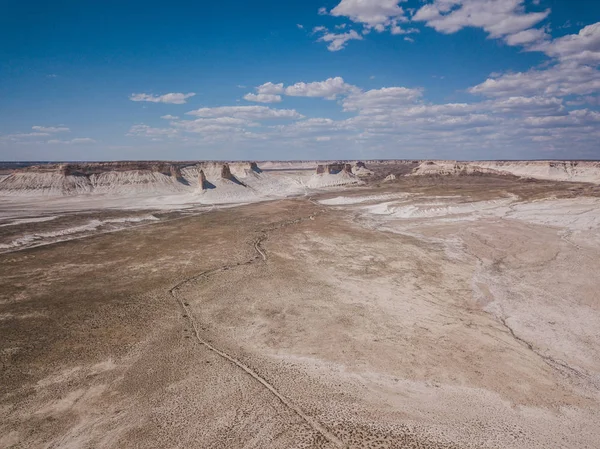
(333, 169)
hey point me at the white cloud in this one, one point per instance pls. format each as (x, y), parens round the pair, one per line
(77, 140)
(376, 99)
(499, 18)
(149, 131)
(322, 11)
(583, 47)
(26, 135)
(270, 88)
(323, 138)
(172, 98)
(266, 93)
(247, 112)
(51, 129)
(216, 125)
(82, 140)
(263, 98)
(338, 41)
(329, 89)
(527, 37)
(377, 14)
(577, 118)
(169, 117)
(300, 26)
(559, 80)
(396, 30)
(537, 105)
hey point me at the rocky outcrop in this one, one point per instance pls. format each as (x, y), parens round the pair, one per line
(574, 171)
(333, 169)
(390, 177)
(202, 180)
(360, 169)
(226, 172)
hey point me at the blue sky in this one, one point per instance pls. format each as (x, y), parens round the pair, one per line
(349, 79)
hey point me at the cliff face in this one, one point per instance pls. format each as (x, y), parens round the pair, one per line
(226, 172)
(333, 169)
(202, 180)
(107, 177)
(575, 171)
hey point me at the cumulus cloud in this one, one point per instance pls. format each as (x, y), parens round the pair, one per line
(526, 37)
(499, 18)
(270, 88)
(263, 98)
(377, 14)
(536, 105)
(266, 93)
(337, 41)
(583, 48)
(396, 30)
(169, 117)
(375, 99)
(576, 118)
(51, 129)
(559, 80)
(328, 89)
(172, 98)
(247, 112)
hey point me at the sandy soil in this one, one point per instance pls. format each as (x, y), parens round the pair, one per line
(451, 312)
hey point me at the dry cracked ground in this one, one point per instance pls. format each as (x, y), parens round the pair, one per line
(444, 313)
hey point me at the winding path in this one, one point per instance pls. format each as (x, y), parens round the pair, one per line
(261, 254)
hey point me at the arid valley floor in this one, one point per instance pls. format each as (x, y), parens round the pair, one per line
(434, 311)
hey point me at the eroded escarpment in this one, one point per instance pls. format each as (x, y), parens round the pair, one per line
(120, 177)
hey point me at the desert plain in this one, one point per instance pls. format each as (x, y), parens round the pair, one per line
(410, 305)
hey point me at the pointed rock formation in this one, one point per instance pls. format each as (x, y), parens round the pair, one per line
(202, 180)
(226, 172)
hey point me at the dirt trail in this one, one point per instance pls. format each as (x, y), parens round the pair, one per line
(261, 254)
